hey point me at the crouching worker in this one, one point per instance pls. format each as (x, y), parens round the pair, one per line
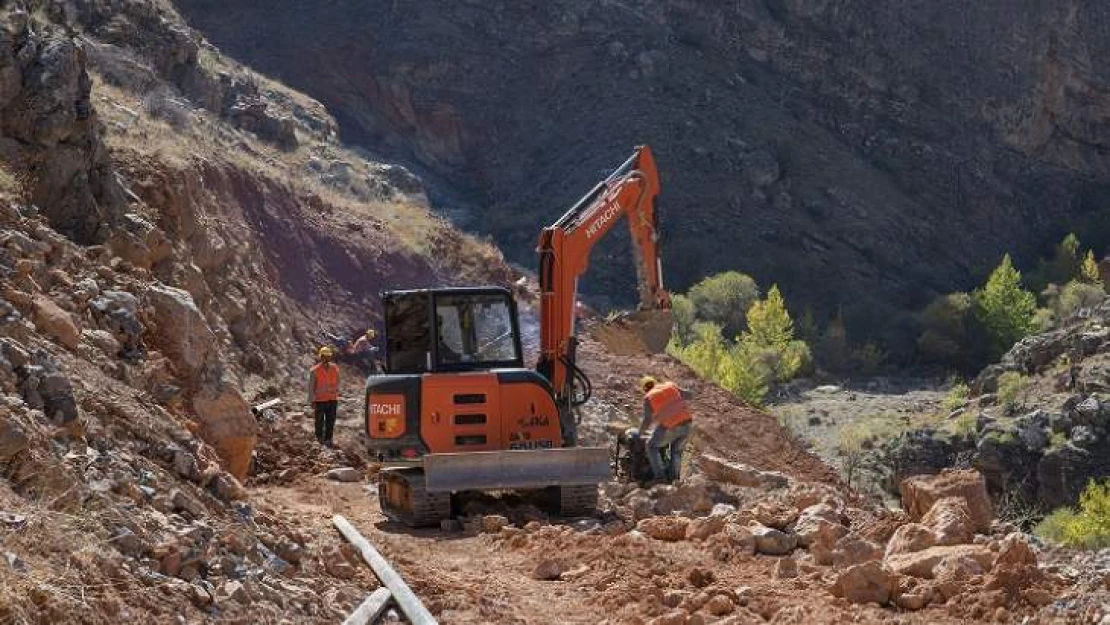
(665, 408)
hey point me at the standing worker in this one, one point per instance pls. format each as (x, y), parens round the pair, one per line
(323, 394)
(665, 408)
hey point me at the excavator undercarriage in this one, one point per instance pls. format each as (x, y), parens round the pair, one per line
(404, 498)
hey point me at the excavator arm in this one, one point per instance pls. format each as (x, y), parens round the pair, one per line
(564, 249)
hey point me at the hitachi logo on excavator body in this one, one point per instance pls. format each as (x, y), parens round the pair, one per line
(391, 409)
(602, 220)
(385, 415)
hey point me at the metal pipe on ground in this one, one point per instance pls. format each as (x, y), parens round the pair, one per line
(414, 610)
(258, 409)
(370, 609)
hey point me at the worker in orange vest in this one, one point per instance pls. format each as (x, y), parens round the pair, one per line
(323, 394)
(665, 408)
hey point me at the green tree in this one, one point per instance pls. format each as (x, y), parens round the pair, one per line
(1006, 311)
(1088, 271)
(769, 323)
(684, 319)
(1074, 296)
(1088, 527)
(950, 334)
(745, 375)
(769, 338)
(724, 299)
(1063, 267)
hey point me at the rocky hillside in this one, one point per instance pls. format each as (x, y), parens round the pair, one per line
(176, 231)
(1037, 424)
(863, 157)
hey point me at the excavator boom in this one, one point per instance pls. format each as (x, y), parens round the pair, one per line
(564, 249)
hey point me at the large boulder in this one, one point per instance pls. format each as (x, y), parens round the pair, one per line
(921, 492)
(703, 528)
(182, 333)
(44, 386)
(852, 549)
(953, 573)
(227, 424)
(692, 495)
(772, 542)
(49, 127)
(668, 528)
(55, 322)
(950, 521)
(910, 538)
(1003, 457)
(819, 524)
(12, 439)
(1063, 472)
(57, 396)
(721, 470)
(775, 514)
(1015, 551)
(921, 563)
(869, 582)
(733, 540)
(116, 312)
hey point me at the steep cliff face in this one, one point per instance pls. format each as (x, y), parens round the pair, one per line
(862, 156)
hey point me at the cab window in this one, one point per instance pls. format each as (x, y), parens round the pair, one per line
(475, 331)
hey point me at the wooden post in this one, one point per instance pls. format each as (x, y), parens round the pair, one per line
(415, 611)
(371, 609)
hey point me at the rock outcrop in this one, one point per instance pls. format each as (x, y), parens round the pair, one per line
(49, 132)
(921, 494)
(1046, 448)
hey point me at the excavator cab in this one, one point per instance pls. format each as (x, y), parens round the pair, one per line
(451, 330)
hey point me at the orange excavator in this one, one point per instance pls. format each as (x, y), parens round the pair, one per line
(457, 409)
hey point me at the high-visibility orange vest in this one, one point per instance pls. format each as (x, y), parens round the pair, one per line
(326, 387)
(668, 409)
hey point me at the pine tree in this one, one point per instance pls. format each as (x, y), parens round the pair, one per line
(769, 323)
(1005, 310)
(1088, 271)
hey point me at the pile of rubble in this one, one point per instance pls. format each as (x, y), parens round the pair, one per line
(731, 549)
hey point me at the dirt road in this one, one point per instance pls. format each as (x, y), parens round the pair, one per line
(462, 578)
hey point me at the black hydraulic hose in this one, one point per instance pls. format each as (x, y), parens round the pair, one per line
(582, 379)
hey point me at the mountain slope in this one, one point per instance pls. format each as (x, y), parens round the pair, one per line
(864, 157)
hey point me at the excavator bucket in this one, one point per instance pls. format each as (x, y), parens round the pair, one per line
(516, 469)
(643, 332)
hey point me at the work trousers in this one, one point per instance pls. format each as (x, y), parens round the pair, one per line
(325, 420)
(674, 439)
